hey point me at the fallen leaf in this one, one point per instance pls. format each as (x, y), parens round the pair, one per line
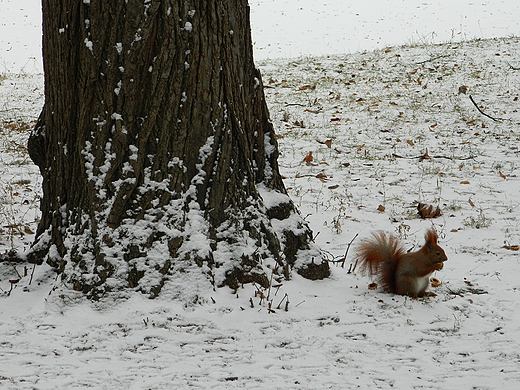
(425, 156)
(381, 208)
(308, 158)
(328, 142)
(428, 211)
(28, 230)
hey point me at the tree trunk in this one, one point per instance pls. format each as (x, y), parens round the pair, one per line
(157, 152)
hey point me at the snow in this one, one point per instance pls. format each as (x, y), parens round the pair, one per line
(387, 128)
(292, 28)
(89, 44)
(188, 27)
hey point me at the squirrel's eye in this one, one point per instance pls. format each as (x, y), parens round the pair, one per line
(437, 253)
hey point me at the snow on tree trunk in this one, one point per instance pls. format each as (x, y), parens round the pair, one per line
(156, 150)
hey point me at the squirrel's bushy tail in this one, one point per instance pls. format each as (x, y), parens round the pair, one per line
(377, 256)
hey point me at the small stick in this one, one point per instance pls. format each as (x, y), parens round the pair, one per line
(431, 59)
(12, 265)
(482, 112)
(439, 156)
(32, 273)
(283, 299)
(346, 252)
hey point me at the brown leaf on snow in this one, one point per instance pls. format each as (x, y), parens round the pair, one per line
(425, 156)
(381, 208)
(308, 158)
(428, 211)
(512, 247)
(463, 89)
(27, 230)
(502, 175)
(328, 142)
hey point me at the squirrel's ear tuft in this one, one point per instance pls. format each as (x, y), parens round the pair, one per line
(431, 236)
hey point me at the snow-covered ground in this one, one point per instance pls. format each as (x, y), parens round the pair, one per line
(371, 119)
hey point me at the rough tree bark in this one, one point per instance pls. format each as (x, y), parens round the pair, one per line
(157, 152)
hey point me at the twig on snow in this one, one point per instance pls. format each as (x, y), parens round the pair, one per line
(283, 299)
(432, 59)
(346, 251)
(482, 112)
(422, 157)
(32, 273)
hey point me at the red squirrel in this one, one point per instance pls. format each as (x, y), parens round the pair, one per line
(397, 271)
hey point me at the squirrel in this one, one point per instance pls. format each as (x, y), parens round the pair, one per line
(397, 271)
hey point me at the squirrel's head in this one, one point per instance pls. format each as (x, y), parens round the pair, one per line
(435, 252)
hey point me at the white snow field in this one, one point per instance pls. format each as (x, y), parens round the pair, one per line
(387, 128)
